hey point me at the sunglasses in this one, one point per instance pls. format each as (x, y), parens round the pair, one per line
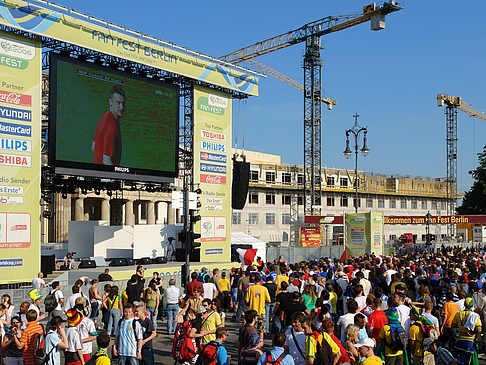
(15, 322)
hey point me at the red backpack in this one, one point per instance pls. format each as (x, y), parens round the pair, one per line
(208, 354)
(278, 361)
(184, 347)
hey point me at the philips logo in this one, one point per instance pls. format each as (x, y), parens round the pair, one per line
(213, 146)
(122, 169)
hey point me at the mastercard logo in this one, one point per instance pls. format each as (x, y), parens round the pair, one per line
(204, 156)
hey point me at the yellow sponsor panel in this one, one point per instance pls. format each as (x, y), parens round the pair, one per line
(39, 20)
(212, 171)
(20, 150)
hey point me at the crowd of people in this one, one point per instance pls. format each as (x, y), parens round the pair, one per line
(421, 308)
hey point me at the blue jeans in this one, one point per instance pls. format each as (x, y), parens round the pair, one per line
(172, 310)
(127, 360)
(269, 307)
(115, 315)
(94, 310)
(147, 356)
(152, 316)
(234, 295)
(239, 311)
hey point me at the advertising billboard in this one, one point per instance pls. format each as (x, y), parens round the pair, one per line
(20, 163)
(363, 233)
(111, 124)
(310, 236)
(212, 171)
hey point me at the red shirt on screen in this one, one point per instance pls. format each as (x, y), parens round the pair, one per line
(107, 139)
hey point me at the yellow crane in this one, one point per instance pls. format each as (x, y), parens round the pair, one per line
(452, 103)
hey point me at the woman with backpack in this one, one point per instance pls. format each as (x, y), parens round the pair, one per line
(114, 305)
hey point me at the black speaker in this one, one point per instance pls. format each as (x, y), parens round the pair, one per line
(130, 262)
(180, 254)
(48, 264)
(87, 264)
(239, 187)
(144, 261)
(118, 262)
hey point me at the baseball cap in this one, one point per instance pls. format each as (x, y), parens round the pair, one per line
(202, 309)
(365, 342)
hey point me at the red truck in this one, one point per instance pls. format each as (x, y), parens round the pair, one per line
(407, 238)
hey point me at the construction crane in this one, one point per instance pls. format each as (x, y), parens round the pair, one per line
(285, 79)
(310, 35)
(453, 103)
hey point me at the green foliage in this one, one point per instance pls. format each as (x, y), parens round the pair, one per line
(474, 201)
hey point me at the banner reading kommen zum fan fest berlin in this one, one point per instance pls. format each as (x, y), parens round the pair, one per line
(212, 170)
(20, 145)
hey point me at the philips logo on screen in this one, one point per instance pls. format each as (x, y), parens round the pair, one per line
(15, 129)
(16, 114)
(213, 157)
(213, 146)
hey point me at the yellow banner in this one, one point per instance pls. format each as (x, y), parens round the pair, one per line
(377, 233)
(38, 20)
(212, 171)
(20, 151)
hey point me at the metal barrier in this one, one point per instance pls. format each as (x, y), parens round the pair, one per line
(293, 254)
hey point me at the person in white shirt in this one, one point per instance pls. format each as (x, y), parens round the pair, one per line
(348, 318)
(172, 294)
(87, 332)
(71, 300)
(74, 352)
(360, 297)
(209, 289)
(56, 291)
(296, 338)
(38, 282)
(389, 273)
(364, 282)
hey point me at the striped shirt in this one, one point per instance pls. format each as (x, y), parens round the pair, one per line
(32, 331)
(128, 331)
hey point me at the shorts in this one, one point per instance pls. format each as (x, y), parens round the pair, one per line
(261, 323)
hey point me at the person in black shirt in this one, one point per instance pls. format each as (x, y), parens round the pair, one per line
(11, 352)
(295, 305)
(148, 335)
(269, 307)
(281, 301)
(157, 281)
(134, 293)
(105, 276)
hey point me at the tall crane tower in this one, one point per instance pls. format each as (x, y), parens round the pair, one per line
(310, 34)
(453, 103)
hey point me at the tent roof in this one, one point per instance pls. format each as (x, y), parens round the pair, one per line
(243, 238)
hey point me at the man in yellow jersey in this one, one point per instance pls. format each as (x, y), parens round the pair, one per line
(323, 339)
(256, 297)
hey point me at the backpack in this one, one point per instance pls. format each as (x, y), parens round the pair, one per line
(323, 352)
(398, 339)
(428, 330)
(201, 276)
(39, 353)
(278, 361)
(50, 302)
(207, 356)
(184, 347)
(93, 359)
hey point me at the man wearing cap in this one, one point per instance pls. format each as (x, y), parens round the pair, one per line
(56, 340)
(74, 353)
(36, 302)
(365, 349)
(29, 337)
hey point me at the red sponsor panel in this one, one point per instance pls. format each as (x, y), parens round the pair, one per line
(323, 219)
(15, 99)
(213, 179)
(310, 236)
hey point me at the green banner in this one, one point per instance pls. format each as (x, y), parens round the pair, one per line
(20, 163)
(212, 171)
(363, 233)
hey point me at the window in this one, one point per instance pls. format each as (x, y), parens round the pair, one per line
(354, 202)
(236, 218)
(424, 205)
(285, 218)
(330, 181)
(253, 198)
(403, 204)
(317, 200)
(270, 218)
(443, 206)
(300, 200)
(343, 181)
(413, 204)
(393, 237)
(330, 201)
(369, 203)
(286, 199)
(270, 176)
(270, 198)
(344, 201)
(286, 177)
(285, 237)
(253, 175)
(393, 203)
(300, 178)
(253, 218)
(381, 203)
(434, 206)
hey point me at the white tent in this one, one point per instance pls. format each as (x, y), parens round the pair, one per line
(240, 238)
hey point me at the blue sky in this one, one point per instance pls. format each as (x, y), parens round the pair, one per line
(390, 77)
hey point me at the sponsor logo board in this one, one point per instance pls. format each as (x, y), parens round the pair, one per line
(15, 129)
(213, 179)
(212, 146)
(219, 169)
(9, 97)
(18, 145)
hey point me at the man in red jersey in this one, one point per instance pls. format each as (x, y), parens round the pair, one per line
(107, 143)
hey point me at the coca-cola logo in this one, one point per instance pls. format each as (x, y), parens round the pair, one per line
(213, 179)
(14, 98)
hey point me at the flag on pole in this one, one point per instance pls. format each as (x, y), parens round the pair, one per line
(247, 256)
(344, 256)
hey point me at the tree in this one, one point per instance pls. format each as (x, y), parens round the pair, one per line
(474, 201)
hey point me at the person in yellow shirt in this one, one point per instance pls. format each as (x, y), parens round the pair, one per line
(101, 356)
(417, 336)
(469, 325)
(256, 297)
(210, 321)
(314, 338)
(225, 290)
(365, 349)
(280, 278)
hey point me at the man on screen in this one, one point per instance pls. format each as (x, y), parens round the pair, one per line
(107, 143)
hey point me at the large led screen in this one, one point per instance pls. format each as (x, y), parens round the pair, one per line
(111, 124)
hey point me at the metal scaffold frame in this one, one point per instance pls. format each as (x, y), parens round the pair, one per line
(451, 157)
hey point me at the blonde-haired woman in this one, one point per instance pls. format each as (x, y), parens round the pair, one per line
(351, 338)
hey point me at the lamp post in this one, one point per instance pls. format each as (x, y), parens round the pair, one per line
(355, 131)
(427, 222)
